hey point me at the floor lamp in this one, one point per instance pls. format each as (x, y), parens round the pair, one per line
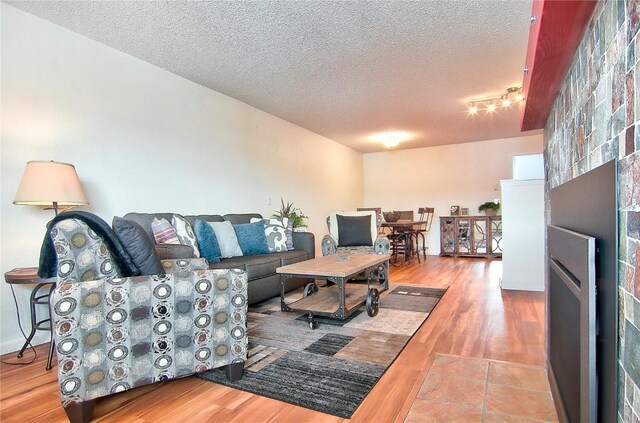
(52, 185)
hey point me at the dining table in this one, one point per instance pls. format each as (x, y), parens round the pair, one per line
(403, 227)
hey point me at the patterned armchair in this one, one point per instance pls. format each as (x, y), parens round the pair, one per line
(376, 243)
(114, 333)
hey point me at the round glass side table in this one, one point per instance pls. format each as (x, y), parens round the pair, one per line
(39, 296)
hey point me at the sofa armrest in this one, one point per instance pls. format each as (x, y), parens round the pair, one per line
(381, 245)
(329, 246)
(305, 241)
(174, 251)
(180, 266)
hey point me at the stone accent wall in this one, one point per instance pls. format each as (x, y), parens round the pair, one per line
(595, 119)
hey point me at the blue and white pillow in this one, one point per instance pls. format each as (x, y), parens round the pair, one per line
(275, 230)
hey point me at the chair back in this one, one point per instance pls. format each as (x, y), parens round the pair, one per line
(82, 254)
(425, 215)
(406, 215)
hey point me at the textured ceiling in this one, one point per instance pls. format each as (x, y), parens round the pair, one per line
(343, 69)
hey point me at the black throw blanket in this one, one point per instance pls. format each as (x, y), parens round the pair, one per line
(49, 261)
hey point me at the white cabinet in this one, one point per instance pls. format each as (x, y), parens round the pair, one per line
(523, 234)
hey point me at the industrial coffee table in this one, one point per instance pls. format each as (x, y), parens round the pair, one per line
(368, 275)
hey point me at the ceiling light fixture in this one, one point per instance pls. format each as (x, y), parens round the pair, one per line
(391, 142)
(490, 104)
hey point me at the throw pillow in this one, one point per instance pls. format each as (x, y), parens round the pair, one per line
(139, 246)
(354, 231)
(227, 239)
(207, 241)
(251, 238)
(289, 224)
(184, 232)
(275, 230)
(333, 223)
(163, 232)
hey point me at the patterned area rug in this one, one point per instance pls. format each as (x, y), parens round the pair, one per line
(330, 369)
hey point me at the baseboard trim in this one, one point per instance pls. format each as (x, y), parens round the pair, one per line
(14, 345)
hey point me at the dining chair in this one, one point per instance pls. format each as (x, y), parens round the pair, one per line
(425, 216)
(404, 240)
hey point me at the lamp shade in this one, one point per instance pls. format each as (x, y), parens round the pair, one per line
(52, 184)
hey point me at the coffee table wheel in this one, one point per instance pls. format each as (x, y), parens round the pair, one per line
(310, 289)
(373, 301)
(313, 323)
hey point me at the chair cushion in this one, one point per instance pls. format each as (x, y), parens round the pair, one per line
(138, 245)
(207, 240)
(251, 238)
(333, 223)
(354, 231)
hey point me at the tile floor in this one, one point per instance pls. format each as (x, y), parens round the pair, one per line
(465, 389)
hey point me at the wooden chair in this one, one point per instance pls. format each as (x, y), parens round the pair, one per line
(403, 242)
(425, 215)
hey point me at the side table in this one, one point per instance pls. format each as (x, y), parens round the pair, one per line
(29, 275)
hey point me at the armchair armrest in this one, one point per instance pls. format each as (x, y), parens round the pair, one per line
(305, 241)
(381, 245)
(116, 334)
(185, 265)
(174, 251)
(329, 245)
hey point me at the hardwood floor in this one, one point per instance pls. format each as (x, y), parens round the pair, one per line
(474, 319)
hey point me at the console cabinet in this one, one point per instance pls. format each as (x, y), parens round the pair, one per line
(471, 236)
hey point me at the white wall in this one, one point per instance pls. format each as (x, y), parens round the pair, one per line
(143, 139)
(463, 174)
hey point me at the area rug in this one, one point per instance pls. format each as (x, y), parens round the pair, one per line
(333, 368)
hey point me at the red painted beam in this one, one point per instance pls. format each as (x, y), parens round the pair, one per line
(553, 40)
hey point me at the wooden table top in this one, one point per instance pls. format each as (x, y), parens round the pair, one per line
(25, 275)
(334, 266)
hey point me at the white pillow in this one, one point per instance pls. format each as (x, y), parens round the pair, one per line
(227, 239)
(333, 223)
(275, 230)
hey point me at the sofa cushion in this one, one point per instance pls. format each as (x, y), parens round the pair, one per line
(145, 219)
(251, 238)
(238, 218)
(227, 239)
(293, 256)
(208, 242)
(184, 232)
(138, 245)
(275, 230)
(206, 217)
(258, 266)
(354, 230)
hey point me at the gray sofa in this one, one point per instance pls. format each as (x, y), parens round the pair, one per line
(263, 281)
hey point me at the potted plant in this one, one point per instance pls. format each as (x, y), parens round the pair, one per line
(490, 208)
(293, 213)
